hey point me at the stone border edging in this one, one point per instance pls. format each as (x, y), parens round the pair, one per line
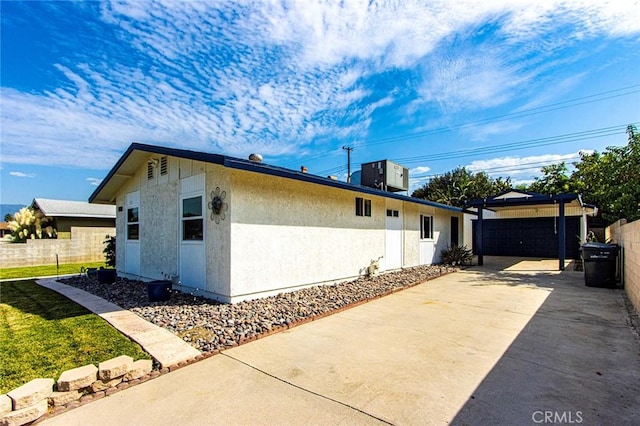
(89, 395)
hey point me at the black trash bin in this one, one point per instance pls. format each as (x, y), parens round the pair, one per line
(599, 261)
(159, 291)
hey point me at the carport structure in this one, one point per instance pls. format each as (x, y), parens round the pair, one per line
(525, 223)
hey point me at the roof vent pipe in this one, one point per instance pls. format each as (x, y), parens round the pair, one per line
(256, 158)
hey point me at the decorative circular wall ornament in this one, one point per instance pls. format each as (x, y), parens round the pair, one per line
(217, 205)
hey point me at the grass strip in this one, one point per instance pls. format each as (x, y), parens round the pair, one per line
(42, 334)
(46, 270)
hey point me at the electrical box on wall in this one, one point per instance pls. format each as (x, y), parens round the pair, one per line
(385, 175)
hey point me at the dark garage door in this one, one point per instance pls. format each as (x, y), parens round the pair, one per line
(535, 237)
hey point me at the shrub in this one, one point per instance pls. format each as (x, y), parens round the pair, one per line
(456, 255)
(30, 224)
(110, 251)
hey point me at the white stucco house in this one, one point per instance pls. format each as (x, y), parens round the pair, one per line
(234, 229)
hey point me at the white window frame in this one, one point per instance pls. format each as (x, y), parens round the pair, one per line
(190, 218)
(131, 223)
(426, 234)
(363, 207)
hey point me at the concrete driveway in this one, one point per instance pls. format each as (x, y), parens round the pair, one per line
(512, 342)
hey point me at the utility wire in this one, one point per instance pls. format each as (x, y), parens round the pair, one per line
(597, 97)
(511, 146)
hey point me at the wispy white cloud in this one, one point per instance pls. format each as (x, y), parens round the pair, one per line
(94, 181)
(276, 76)
(516, 167)
(419, 170)
(22, 175)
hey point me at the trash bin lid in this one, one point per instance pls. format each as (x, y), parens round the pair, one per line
(600, 246)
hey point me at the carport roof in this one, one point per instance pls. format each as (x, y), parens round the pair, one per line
(515, 199)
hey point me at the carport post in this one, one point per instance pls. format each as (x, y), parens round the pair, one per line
(561, 237)
(479, 237)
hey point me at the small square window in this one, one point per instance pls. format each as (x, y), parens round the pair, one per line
(132, 215)
(192, 207)
(133, 231)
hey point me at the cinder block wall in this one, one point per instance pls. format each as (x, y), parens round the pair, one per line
(627, 235)
(85, 245)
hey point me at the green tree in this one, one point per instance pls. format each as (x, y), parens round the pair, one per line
(458, 186)
(611, 180)
(555, 180)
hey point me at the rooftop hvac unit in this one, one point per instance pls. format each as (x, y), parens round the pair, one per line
(385, 175)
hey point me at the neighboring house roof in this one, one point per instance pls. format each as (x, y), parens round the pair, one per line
(138, 154)
(64, 208)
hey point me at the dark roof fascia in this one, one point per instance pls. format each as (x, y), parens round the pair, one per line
(245, 165)
(240, 164)
(154, 149)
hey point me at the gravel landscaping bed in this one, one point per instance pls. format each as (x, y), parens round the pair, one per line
(209, 325)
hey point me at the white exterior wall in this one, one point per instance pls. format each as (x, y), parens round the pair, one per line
(278, 234)
(288, 234)
(411, 234)
(158, 218)
(218, 236)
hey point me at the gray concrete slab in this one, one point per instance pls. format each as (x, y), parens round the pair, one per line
(509, 343)
(164, 346)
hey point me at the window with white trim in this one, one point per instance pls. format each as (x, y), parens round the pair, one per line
(426, 227)
(363, 207)
(133, 224)
(393, 213)
(192, 219)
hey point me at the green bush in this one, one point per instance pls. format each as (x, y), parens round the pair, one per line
(110, 251)
(456, 255)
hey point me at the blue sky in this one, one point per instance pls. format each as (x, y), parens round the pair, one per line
(499, 86)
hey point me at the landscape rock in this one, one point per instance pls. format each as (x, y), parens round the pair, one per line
(212, 326)
(31, 393)
(25, 415)
(6, 404)
(77, 378)
(115, 367)
(62, 398)
(139, 369)
(100, 385)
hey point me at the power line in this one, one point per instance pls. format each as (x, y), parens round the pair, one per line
(597, 97)
(518, 114)
(514, 146)
(511, 167)
(511, 146)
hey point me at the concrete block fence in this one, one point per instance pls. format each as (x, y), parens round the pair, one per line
(32, 400)
(627, 235)
(85, 245)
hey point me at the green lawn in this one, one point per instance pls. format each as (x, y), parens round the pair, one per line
(42, 334)
(46, 270)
